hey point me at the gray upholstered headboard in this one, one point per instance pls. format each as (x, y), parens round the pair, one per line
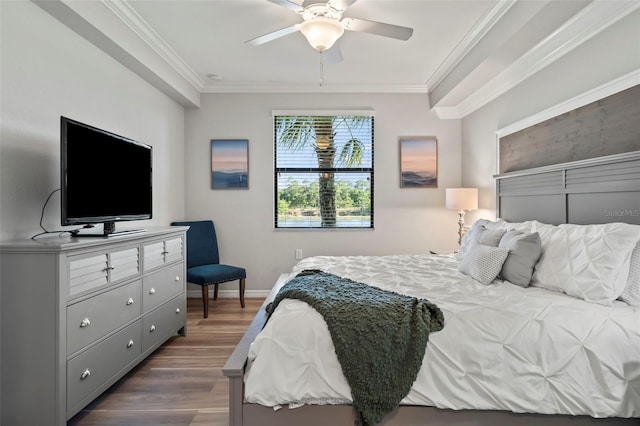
(598, 190)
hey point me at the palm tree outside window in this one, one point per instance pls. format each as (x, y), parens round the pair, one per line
(323, 171)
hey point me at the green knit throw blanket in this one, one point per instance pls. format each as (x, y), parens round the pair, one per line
(380, 336)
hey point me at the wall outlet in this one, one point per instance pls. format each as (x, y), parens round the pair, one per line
(298, 254)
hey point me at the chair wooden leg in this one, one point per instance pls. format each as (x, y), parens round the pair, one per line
(205, 300)
(242, 292)
(215, 292)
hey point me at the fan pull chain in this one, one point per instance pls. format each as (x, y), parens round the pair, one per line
(321, 68)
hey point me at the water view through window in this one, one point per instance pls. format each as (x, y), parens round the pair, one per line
(324, 171)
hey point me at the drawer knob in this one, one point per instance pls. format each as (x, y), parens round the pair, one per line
(177, 310)
(130, 344)
(152, 290)
(177, 278)
(152, 328)
(130, 301)
(86, 373)
(85, 323)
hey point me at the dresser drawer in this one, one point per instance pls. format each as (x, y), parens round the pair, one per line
(161, 286)
(97, 316)
(153, 255)
(86, 273)
(173, 250)
(163, 252)
(124, 264)
(94, 367)
(90, 272)
(163, 322)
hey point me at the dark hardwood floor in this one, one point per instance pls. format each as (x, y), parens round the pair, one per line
(181, 383)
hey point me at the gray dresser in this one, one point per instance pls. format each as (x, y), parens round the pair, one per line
(78, 314)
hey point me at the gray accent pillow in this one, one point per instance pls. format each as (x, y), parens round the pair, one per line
(524, 252)
(483, 263)
(491, 237)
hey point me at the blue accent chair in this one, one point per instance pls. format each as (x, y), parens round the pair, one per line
(203, 261)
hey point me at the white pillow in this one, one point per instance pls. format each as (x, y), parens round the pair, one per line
(471, 235)
(544, 230)
(483, 231)
(631, 293)
(590, 262)
(483, 263)
(525, 227)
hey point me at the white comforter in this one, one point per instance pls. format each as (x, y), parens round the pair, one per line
(503, 347)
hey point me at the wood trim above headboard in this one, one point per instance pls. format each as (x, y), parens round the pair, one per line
(607, 126)
(597, 190)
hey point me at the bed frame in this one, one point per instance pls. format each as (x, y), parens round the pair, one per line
(601, 190)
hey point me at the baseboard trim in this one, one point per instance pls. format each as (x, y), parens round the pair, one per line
(229, 294)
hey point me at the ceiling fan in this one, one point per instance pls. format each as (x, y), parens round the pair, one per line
(323, 24)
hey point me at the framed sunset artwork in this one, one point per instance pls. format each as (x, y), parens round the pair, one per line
(229, 164)
(418, 162)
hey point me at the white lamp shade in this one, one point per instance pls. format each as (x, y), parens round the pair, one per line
(321, 32)
(462, 198)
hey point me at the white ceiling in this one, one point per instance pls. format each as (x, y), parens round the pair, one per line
(463, 53)
(210, 36)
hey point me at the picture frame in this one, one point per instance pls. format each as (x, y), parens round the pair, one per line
(418, 161)
(229, 164)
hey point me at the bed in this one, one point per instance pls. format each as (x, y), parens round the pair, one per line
(563, 351)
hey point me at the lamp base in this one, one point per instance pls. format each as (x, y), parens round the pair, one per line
(460, 226)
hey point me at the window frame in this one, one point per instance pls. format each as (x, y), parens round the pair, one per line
(370, 171)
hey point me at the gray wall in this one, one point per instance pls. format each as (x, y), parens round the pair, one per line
(611, 54)
(406, 220)
(49, 71)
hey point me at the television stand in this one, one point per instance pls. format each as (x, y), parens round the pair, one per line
(109, 230)
(125, 232)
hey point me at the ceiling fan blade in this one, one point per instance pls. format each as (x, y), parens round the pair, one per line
(272, 36)
(378, 28)
(341, 5)
(288, 4)
(333, 55)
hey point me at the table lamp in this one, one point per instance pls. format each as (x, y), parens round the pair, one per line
(461, 199)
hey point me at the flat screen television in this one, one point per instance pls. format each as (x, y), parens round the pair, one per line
(105, 178)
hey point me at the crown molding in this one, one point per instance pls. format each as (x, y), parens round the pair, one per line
(593, 19)
(96, 22)
(123, 10)
(310, 88)
(447, 112)
(480, 29)
(127, 14)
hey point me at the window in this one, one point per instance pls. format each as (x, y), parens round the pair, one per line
(323, 171)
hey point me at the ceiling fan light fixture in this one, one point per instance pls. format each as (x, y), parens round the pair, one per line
(321, 32)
